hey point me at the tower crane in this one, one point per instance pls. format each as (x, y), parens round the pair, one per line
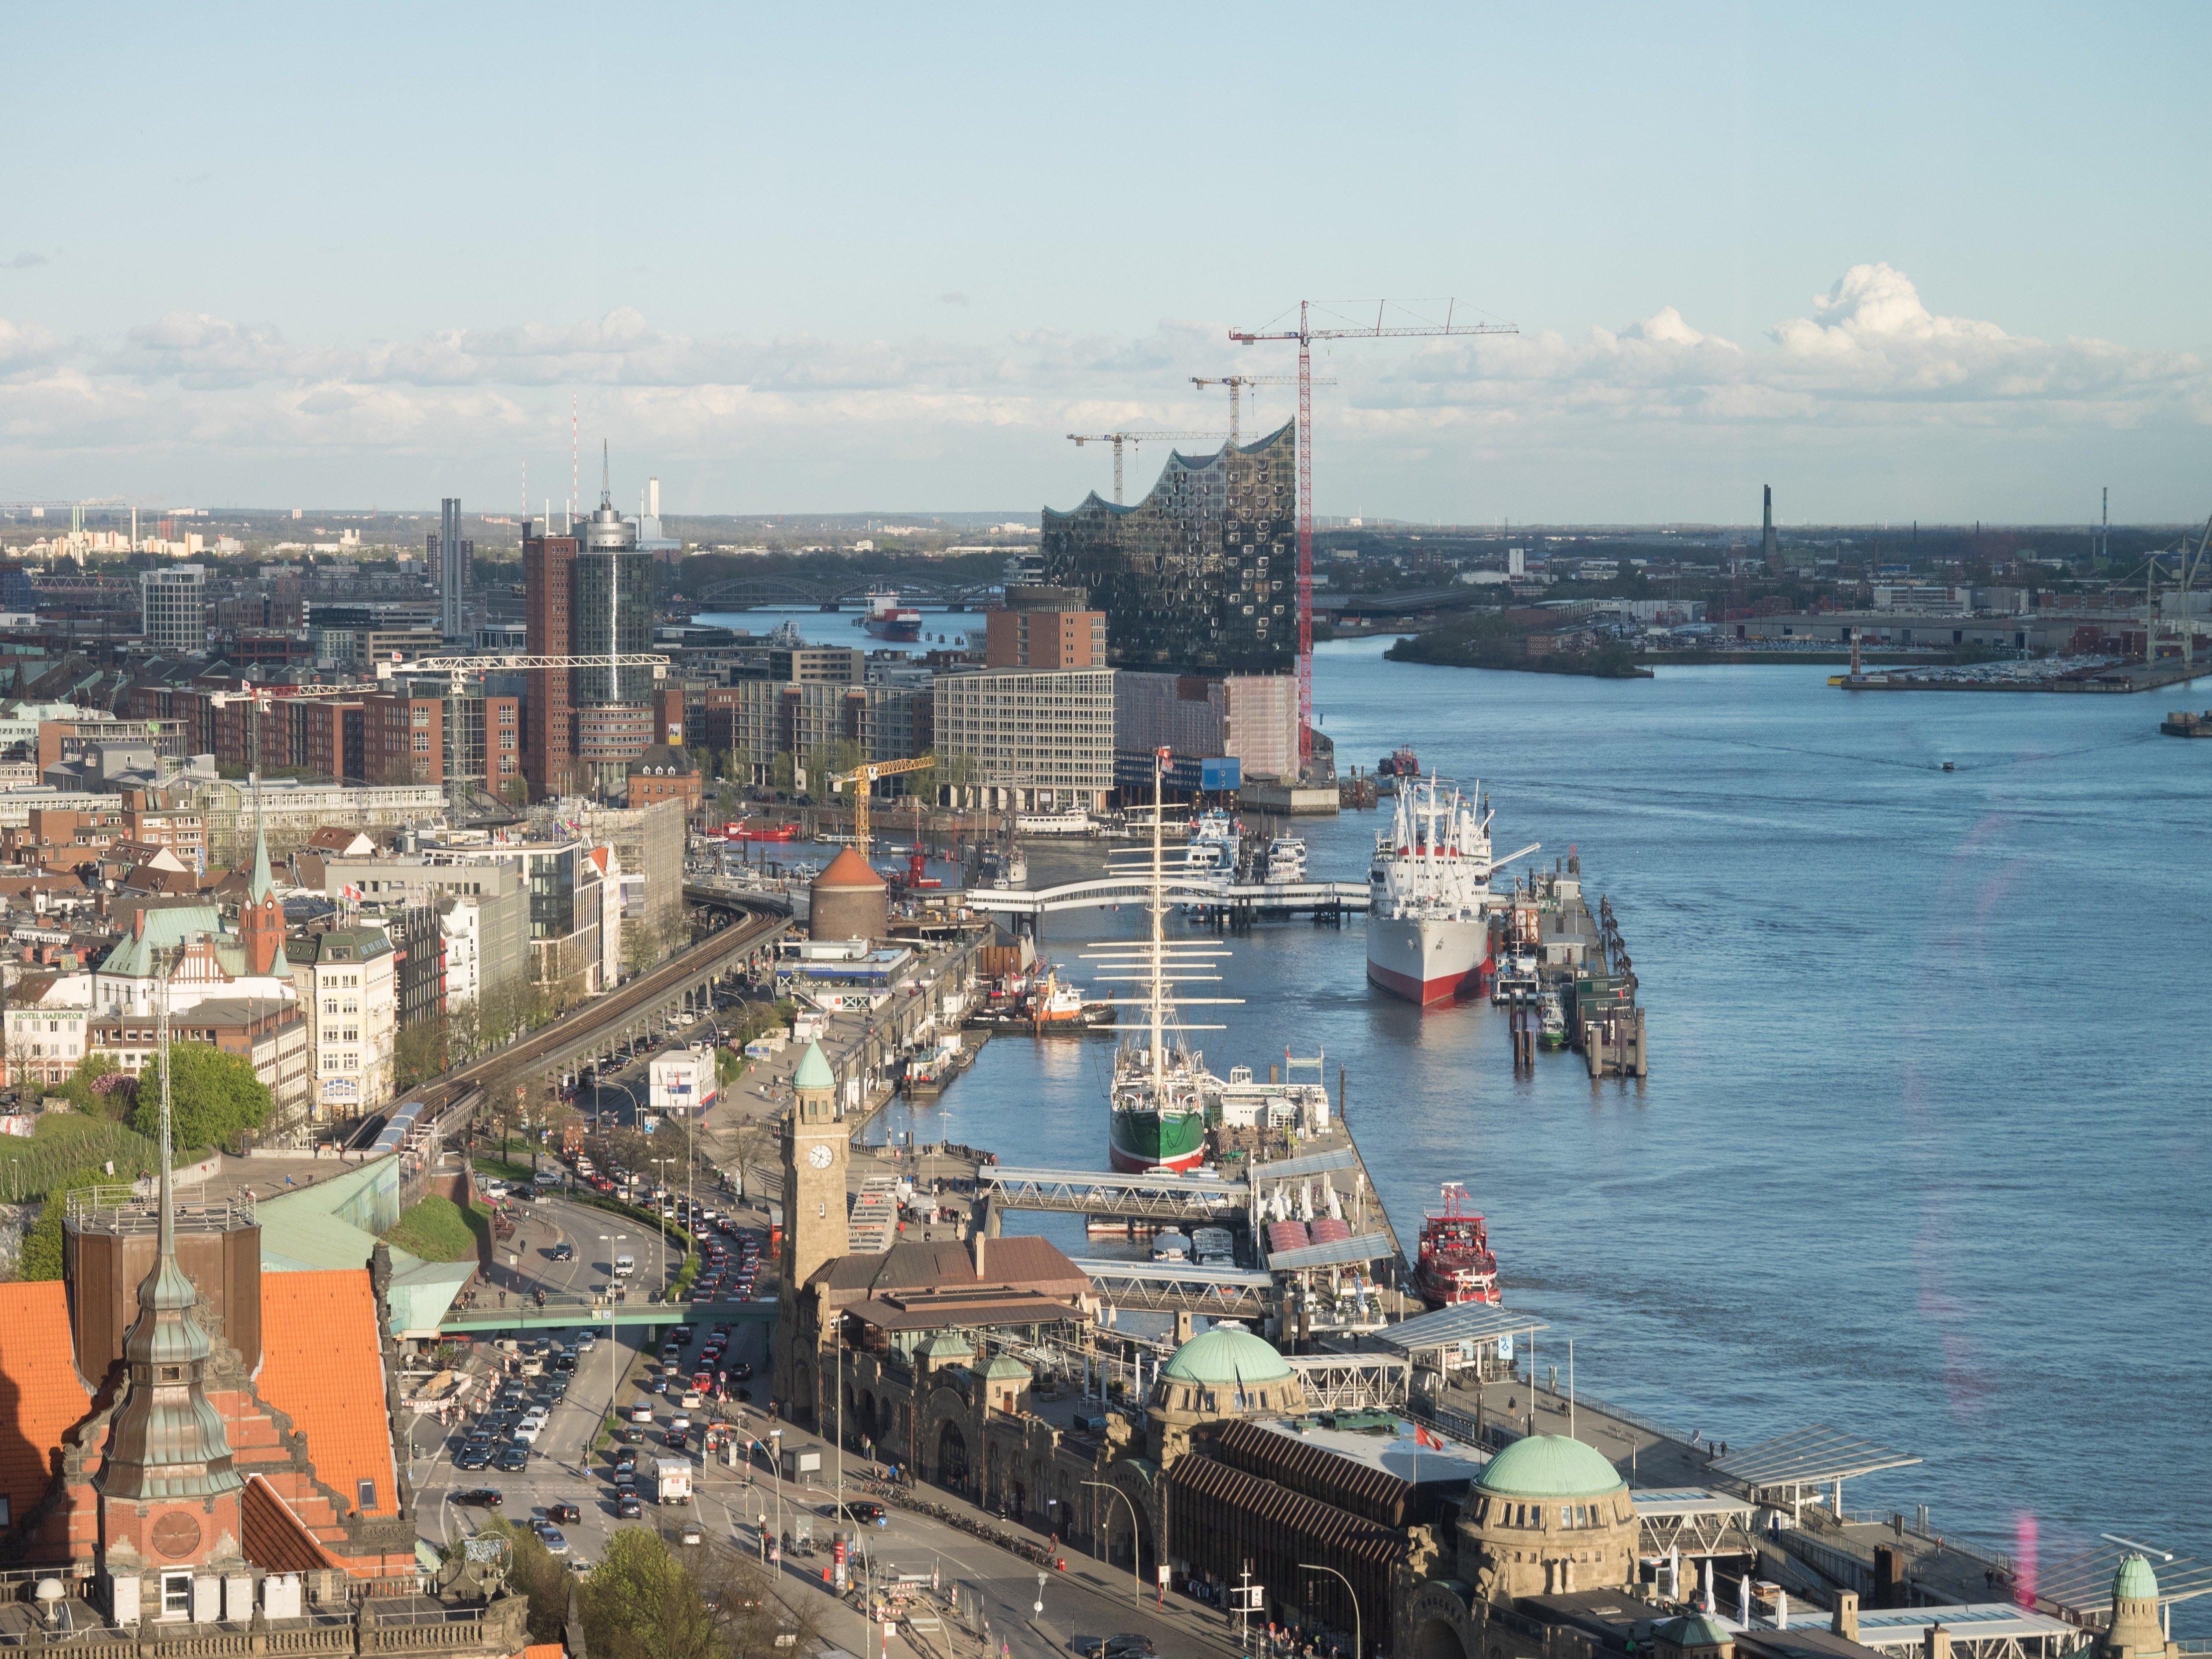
(866, 777)
(1236, 383)
(1117, 439)
(1305, 334)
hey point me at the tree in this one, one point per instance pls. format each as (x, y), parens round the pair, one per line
(419, 1053)
(645, 1601)
(40, 1256)
(533, 1570)
(214, 1097)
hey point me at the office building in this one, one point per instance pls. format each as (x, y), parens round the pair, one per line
(564, 885)
(452, 558)
(815, 723)
(1045, 628)
(1252, 719)
(589, 594)
(346, 979)
(420, 733)
(1024, 740)
(172, 610)
(1201, 576)
(484, 911)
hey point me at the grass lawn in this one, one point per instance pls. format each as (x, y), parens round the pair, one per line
(499, 1170)
(437, 1229)
(64, 1142)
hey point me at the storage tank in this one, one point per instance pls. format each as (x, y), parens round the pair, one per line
(848, 901)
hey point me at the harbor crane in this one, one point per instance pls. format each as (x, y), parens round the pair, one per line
(2187, 565)
(1305, 334)
(1236, 383)
(866, 777)
(1117, 439)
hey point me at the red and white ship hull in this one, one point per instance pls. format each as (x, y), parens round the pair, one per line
(1428, 962)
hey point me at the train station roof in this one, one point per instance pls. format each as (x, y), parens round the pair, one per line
(1469, 1322)
(2083, 1582)
(1813, 1457)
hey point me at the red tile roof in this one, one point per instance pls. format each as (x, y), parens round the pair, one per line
(323, 1366)
(275, 1539)
(43, 1395)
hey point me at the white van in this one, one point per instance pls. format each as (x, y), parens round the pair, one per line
(625, 1265)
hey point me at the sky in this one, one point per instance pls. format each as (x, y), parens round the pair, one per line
(1899, 262)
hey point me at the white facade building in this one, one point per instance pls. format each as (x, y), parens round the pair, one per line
(172, 610)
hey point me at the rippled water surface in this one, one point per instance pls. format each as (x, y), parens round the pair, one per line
(1922, 1151)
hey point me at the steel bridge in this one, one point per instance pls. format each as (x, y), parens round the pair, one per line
(1173, 1199)
(750, 591)
(570, 1310)
(1180, 1287)
(1196, 891)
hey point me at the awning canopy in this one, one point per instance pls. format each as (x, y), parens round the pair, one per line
(1469, 1322)
(1362, 1247)
(1813, 1457)
(1653, 1503)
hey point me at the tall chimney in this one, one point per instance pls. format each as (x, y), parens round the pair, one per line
(653, 498)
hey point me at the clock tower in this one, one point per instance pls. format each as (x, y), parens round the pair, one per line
(815, 1148)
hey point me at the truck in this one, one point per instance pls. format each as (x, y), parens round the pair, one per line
(672, 1481)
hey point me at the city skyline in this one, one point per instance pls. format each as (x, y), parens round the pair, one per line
(879, 273)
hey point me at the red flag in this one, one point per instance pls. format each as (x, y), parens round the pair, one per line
(1423, 1438)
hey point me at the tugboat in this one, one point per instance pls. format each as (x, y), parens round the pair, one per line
(1456, 1264)
(1553, 1012)
(1399, 763)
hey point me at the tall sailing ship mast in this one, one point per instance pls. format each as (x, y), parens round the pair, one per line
(1161, 1091)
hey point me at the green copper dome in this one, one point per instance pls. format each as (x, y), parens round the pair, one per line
(1693, 1630)
(1550, 1466)
(813, 1070)
(2134, 1581)
(1222, 1358)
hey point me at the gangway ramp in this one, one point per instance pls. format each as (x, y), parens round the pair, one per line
(1180, 1287)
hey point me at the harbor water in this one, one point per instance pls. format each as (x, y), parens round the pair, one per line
(1923, 1152)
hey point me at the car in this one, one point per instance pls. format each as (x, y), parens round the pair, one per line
(564, 1251)
(536, 1414)
(525, 1433)
(625, 1434)
(680, 1421)
(640, 1412)
(584, 1340)
(625, 1460)
(472, 1457)
(512, 1459)
(550, 1536)
(741, 1372)
(483, 1497)
(627, 1506)
(691, 1534)
(676, 1439)
(563, 1515)
(1126, 1646)
(682, 1334)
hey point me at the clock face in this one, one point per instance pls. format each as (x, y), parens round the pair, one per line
(176, 1534)
(819, 1157)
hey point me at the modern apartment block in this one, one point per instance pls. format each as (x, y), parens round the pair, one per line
(172, 610)
(1030, 740)
(1200, 577)
(753, 721)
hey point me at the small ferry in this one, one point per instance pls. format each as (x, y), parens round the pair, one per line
(1456, 1264)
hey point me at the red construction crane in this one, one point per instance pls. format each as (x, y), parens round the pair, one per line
(1305, 334)
(1117, 439)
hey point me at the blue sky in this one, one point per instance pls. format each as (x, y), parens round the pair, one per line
(1900, 262)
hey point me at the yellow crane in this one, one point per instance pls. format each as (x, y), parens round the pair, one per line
(866, 777)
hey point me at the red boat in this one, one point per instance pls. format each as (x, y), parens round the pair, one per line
(760, 832)
(1399, 764)
(1456, 1264)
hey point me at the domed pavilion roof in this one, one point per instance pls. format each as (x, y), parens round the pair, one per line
(1550, 1466)
(2134, 1581)
(1225, 1357)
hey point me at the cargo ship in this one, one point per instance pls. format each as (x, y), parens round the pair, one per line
(1456, 1264)
(1428, 922)
(887, 619)
(1158, 1097)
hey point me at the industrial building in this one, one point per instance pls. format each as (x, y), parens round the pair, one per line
(1201, 575)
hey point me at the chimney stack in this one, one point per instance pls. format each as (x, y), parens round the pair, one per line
(978, 1240)
(1846, 1622)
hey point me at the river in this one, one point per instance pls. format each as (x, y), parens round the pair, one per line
(1922, 1155)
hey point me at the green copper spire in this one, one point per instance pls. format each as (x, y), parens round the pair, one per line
(167, 1441)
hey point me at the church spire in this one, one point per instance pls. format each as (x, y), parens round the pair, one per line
(168, 1440)
(259, 887)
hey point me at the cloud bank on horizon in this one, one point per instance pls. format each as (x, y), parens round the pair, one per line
(1870, 376)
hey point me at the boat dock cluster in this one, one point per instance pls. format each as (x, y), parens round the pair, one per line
(1565, 976)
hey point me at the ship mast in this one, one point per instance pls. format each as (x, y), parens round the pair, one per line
(1158, 1011)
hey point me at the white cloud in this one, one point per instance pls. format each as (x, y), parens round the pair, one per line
(1868, 358)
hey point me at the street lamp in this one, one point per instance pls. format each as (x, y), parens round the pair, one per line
(1136, 1550)
(1315, 1566)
